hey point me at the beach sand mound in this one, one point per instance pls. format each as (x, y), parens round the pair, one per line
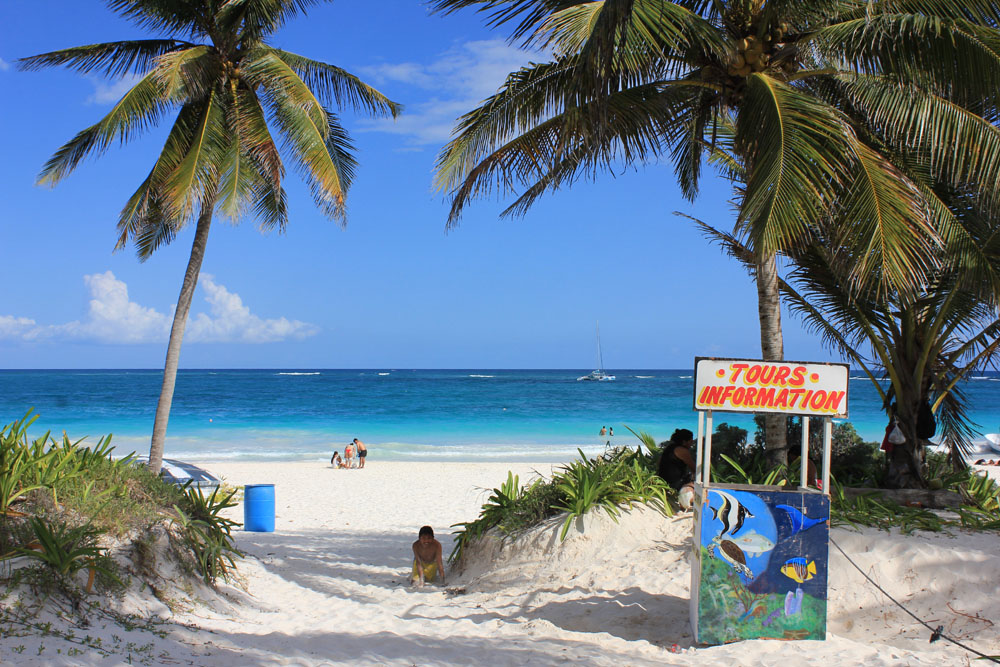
(330, 587)
(641, 564)
(598, 551)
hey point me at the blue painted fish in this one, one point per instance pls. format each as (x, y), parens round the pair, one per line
(731, 513)
(799, 569)
(799, 520)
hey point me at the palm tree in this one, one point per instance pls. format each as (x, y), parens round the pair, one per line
(798, 101)
(229, 88)
(925, 343)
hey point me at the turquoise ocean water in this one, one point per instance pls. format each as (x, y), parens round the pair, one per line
(454, 415)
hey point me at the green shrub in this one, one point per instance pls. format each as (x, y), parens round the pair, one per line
(17, 463)
(66, 551)
(114, 494)
(619, 478)
(207, 533)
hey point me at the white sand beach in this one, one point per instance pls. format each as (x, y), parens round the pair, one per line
(330, 587)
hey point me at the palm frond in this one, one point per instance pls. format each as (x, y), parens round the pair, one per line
(319, 151)
(529, 13)
(175, 17)
(195, 177)
(188, 74)
(528, 97)
(801, 155)
(952, 57)
(573, 143)
(889, 236)
(963, 149)
(141, 107)
(112, 59)
(254, 20)
(333, 84)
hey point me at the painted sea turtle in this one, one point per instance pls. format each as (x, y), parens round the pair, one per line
(735, 557)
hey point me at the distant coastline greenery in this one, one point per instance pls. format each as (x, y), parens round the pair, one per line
(623, 477)
(64, 508)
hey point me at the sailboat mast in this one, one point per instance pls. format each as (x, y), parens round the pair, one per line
(600, 357)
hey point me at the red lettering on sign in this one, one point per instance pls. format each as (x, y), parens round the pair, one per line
(765, 398)
(782, 400)
(817, 400)
(833, 402)
(736, 370)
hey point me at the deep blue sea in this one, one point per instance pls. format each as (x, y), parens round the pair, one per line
(456, 415)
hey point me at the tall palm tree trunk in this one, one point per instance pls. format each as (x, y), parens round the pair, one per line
(177, 336)
(772, 347)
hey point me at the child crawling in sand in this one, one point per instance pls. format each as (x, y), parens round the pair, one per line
(426, 558)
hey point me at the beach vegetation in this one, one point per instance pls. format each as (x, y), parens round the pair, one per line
(231, 91)
(64, 503)
(66, 550)
(824, 116)
(926, 344)
(979, 510)
(613, 482)
(207, 533)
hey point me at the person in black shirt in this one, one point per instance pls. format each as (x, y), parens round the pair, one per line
(677, 460)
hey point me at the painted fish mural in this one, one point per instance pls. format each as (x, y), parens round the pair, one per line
(733, 555)
(731, 513)
(799, 569)
(799, 520)
(756, 573)
(753, 543)
(793, 602)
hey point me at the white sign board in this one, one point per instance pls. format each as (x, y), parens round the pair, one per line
(788, 387)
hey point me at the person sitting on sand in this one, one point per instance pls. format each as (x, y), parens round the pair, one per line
(349, 456)
(362, 452)
(336, 461)
(676, 465)
(427, 563)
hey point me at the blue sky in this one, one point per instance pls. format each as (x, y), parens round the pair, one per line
(392, 289)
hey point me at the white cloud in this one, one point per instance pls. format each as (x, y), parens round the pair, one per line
(15, 327)
(110, 92)
(231, 321)
(457, 82)
(4, 65)
(113, 318)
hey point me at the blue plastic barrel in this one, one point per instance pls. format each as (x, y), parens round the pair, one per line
(258, 508)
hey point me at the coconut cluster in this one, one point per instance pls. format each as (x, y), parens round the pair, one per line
(756, 54)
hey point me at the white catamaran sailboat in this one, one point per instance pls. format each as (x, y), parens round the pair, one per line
(599, 375)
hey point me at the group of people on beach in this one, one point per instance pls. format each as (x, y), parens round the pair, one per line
(354, 455)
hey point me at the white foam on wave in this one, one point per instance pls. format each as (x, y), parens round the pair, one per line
(685, 377)
(316, 373)
(481, 376)
(644, 377)
(383, 373)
